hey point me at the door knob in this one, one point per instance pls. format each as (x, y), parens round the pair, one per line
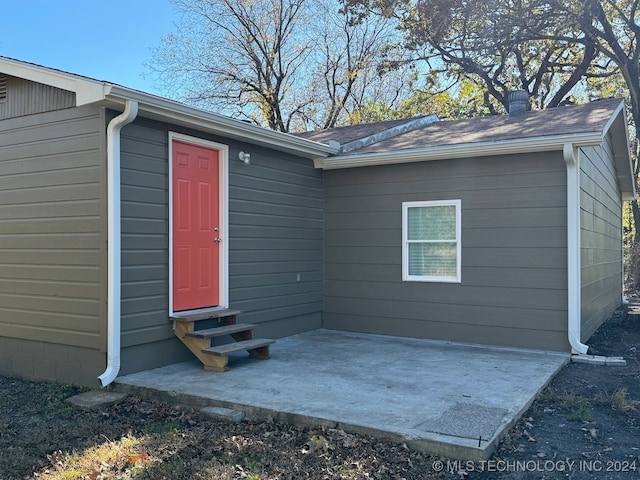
(217, 239)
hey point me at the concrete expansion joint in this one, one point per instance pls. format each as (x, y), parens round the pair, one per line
(599, 360)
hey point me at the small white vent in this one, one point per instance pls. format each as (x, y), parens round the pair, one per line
(3, 88)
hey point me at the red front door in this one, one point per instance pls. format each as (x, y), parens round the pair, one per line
(196, 217)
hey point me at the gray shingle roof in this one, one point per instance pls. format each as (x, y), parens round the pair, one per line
(567, 120)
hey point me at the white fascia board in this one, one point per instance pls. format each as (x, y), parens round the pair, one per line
(91, 91)
(168, 110)
(86, 89)
(623, 160)
(521, 145)
(618, 111)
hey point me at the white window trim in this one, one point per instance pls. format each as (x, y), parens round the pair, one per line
(223, 156)
(406, 277)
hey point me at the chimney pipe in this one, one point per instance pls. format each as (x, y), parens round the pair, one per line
(518, 101)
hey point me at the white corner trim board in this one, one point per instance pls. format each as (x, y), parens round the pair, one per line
(113, 241)
(572, 160)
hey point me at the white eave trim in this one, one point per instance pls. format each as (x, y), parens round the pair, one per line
(163, 109)
(91, 91)
(623, 160)
(482, 149)
(86, 89)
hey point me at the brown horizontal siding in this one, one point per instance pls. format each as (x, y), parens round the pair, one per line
(482, 218)
(450, 331)
(443, 293)
(52, 286)
(513, 289)
(466, 315)
(601, 237)
(487, 198)
(507, 277)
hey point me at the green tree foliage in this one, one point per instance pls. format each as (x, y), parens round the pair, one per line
(612, 27)
(489, 42)
(461, 99)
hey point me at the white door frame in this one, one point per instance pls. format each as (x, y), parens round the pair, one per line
(223, 205)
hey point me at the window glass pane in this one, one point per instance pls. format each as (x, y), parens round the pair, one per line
(431, 223)
(432, 259)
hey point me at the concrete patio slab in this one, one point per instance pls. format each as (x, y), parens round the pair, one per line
(451, 399)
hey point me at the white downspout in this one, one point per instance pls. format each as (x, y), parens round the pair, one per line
(574, 284)
(113, 241)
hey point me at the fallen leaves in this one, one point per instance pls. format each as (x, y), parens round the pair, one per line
(101, 461)
(138, 457)
(317, 443)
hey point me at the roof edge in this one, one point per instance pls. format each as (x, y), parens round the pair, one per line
(92, 91)
(87, 90)
(160, 108)
(623, 160)
(616, 126)
(484, 149)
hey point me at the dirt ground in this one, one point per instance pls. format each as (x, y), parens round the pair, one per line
(585, 425)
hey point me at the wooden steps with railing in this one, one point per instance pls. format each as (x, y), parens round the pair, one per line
(215, 358)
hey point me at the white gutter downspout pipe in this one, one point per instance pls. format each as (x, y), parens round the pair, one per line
(113, 241)
(572, 160)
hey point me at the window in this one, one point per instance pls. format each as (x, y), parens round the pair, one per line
(431, 241)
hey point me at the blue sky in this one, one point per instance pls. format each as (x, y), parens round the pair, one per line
(108, 40)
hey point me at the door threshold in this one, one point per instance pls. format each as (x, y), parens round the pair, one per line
(195, 311)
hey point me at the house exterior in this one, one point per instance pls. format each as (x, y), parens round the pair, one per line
(540, 200)
(86, 215)
(502, 231)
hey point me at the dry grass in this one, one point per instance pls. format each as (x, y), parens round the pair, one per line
(619, 400)
(562, 398)
(43, 438)
(177, 455)
(92, 463)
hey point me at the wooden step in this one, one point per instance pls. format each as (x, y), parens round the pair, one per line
(204, 315)
(199, 341)
(223, 350)
(219, 331)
